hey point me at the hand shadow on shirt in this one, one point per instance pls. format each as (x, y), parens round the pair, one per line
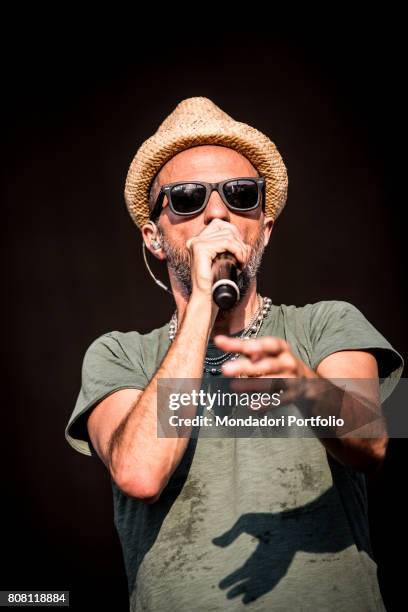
(312, 528)
(279, 537)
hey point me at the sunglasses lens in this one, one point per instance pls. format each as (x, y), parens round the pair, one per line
(188, 198)
(242, 193)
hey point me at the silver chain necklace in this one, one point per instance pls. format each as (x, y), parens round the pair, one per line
(251, 331)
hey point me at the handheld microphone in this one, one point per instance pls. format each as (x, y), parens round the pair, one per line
(225, 291)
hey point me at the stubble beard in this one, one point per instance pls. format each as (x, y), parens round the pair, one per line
(178, 261)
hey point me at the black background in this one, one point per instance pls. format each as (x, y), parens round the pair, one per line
(73, 117)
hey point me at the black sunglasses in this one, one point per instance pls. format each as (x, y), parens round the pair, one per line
(188, 198)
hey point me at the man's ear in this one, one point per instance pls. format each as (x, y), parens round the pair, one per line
(151, 239)
(268, 226)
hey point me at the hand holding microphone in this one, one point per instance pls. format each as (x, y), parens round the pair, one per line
(216, 255)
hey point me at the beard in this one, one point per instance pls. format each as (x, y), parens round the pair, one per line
(178, 260)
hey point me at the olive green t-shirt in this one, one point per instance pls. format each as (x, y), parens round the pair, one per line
(245, 523)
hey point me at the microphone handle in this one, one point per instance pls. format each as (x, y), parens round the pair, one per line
(225, 290)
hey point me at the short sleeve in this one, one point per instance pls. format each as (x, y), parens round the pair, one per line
(336, 325)
(106, 367)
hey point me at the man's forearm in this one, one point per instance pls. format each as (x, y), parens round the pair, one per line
(141, 462)
(323, 398)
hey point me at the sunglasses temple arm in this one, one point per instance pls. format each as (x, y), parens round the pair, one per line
(158, 206)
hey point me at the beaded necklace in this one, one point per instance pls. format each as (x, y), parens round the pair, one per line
(211, 364)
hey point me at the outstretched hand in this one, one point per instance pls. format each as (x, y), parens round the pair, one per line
(266, 357)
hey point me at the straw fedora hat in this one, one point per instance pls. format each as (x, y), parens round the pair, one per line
(194, 122)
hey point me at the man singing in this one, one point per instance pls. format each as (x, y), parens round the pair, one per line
(271, 523)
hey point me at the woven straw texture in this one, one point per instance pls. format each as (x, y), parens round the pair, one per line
(194, 122)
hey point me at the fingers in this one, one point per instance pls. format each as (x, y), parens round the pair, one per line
(266, 356)
(219, 244)
(227, 234)
(217, 225)
(270, 345)
(223, 236)
(268, 366)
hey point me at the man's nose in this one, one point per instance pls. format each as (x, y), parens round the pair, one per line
(216, 209)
